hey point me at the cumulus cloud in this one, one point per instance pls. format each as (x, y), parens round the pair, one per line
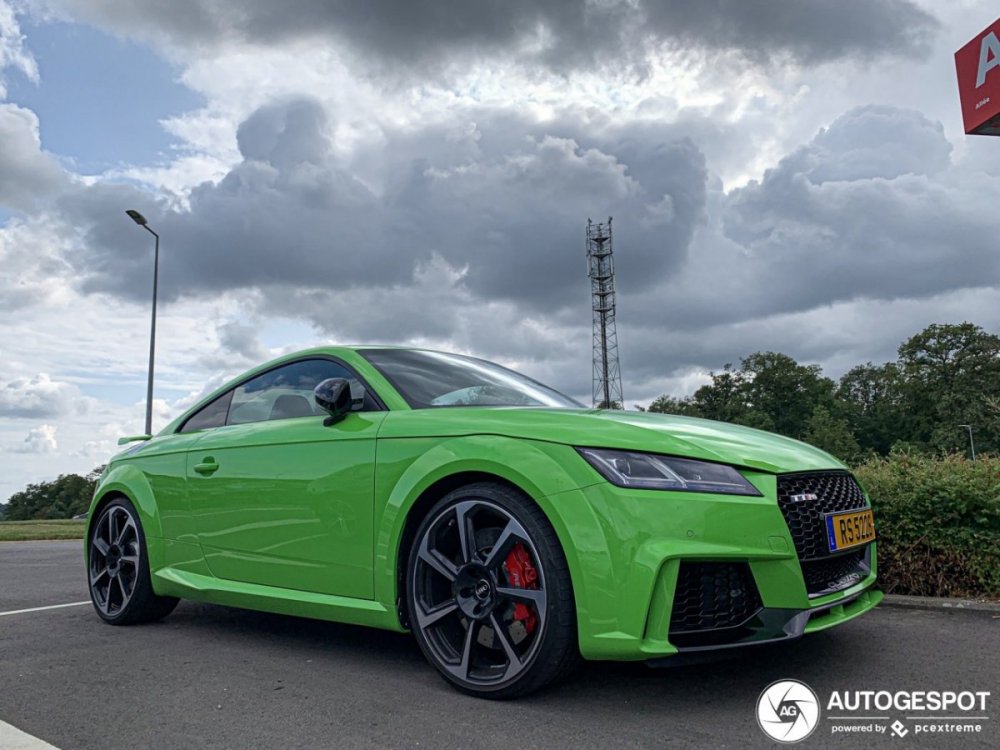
(27, 174)
(509, 215)
(39, 397)
(469, 234)
(868, 209)
(560, 35)
(41, 439)
(871, 208)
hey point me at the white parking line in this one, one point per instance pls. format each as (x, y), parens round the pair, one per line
(12, 738)
(39, 609)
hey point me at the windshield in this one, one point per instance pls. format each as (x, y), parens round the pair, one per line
(430, 379)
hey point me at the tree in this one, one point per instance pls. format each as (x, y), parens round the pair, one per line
(832, 434)
(951, 377)
(670, 405)
(785, 391)
(723, 399)
(64, 497)
(871, 398)
(769, 391)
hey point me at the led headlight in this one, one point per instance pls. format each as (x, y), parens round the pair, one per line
(649, 471)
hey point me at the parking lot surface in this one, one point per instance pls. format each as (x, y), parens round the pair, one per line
(212, 676)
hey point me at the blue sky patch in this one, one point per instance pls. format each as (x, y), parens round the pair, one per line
(100, 98)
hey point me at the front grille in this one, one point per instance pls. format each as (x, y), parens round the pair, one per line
(834, 491)
(836, 572)
(713, 595)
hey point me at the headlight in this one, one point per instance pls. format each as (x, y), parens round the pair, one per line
(648, 471)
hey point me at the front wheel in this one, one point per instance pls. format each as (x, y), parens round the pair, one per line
(489, 593)
(118, 569)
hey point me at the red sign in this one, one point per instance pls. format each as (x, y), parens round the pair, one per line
(978, 67)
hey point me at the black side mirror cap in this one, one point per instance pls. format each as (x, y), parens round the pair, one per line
(333, 396)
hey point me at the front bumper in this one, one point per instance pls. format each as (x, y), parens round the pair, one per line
(626, 549)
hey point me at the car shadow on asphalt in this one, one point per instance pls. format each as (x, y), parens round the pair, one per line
(738, 673)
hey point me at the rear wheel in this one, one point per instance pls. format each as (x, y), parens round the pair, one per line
(118, 569)
(489, 593)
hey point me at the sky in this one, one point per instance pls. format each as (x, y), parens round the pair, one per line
(784, 175)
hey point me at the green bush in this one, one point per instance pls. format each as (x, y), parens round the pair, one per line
(938, 521)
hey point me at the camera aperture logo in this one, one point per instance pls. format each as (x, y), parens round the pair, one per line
(788, 711)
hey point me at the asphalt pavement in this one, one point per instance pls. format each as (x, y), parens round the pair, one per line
(218, 677)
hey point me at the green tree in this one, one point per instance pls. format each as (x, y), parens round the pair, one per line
(871, 398)
(64, 497)
(769, 391)
(670, 405)
(785, 391)
(832, 434)
(724, 398)
(951, 377)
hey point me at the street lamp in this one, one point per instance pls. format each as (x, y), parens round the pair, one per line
(139, 219)
(972, 445)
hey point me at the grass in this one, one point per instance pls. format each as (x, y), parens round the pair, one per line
(23, 531)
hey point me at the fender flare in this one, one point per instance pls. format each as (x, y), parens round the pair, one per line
(538, 474)
(128, 481)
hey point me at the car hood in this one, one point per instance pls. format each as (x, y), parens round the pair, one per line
(642, 431)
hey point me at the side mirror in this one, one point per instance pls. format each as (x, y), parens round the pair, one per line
(333, 396)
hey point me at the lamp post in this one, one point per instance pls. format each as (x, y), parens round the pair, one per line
(139, 219)
(972, 445)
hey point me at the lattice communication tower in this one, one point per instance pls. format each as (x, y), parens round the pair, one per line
(601, 269)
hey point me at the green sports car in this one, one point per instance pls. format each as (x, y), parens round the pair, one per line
(511, 529)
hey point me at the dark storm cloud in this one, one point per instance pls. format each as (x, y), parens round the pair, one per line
(870, 210)
(469, 235)
(561, 34)
(511, 221)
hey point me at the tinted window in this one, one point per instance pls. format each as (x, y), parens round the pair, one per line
(211, 415)
(429, 379)
(287, 392)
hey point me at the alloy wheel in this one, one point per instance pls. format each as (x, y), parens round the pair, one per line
(479, 593)
(114, 560)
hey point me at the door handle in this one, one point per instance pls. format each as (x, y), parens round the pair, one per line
(208, 466)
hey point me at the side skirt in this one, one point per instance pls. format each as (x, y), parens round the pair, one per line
(186, 585)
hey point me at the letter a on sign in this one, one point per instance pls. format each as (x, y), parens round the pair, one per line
(977, 66)
(989, 57)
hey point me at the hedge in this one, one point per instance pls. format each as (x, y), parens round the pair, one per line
(938, 522)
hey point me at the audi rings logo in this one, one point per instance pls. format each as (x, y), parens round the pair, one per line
(788, 711)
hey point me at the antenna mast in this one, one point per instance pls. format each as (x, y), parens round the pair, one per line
(601, 269)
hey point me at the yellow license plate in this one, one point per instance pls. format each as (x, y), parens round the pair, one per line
(850, 529)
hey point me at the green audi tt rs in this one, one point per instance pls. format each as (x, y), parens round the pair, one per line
(511, 529)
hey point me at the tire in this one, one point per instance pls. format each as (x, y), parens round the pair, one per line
(492, 606)
(118, 569)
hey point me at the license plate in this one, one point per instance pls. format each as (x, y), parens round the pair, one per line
(850, 529)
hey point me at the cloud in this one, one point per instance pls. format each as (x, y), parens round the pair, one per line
(561, 35)
(12, 51)
(870, 208)
(27, 174)
(39, 397)
(505, 210)
(41, 439)
(468, 234)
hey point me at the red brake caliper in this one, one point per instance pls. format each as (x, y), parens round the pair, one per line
(522, 575)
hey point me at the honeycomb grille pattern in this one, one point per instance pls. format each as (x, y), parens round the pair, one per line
(834, 490)
(713, 595)
(830, 574)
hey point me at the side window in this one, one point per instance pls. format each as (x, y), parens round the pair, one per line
(286, 392)
(211, 415)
